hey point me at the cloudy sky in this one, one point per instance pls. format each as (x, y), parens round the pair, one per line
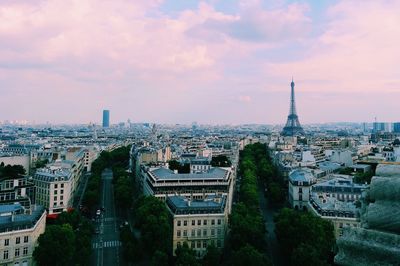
(210, 61)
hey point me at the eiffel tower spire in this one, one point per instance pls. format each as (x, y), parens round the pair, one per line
(292, 126)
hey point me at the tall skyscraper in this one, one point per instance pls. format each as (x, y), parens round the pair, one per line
(396, 127)
(292, 127)
(106, 118)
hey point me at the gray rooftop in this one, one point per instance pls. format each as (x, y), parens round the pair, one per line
(20, 221)
(49, 175)
(183, 205)
(330, 206)
(301, 175)
(340, 182)
(329, 166)
(213, 173)
(10, 208)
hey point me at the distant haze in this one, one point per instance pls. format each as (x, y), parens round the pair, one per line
(64, 61)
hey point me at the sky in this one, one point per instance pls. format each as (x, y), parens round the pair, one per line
(213, 62)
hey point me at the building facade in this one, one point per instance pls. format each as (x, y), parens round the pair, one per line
(198, 223)
(106, 118)
(19, 232)
(300, 182)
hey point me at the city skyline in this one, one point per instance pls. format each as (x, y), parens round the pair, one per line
(219, 62)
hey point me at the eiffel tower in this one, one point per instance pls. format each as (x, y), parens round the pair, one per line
(292, 127)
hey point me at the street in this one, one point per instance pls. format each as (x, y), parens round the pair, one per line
(268, 213)
(106, 244)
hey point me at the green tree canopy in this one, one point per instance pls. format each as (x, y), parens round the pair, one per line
(212, 257)
(152, 218)
(248, 255)
(186, 256)
(56, 246)
(300, 230)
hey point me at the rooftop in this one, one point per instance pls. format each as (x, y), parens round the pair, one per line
(183, 205)
(341, 182)
(302, 175)
(327, 205)
(9, 222)
(213, 173)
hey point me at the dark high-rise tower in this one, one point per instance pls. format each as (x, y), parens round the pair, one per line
(292, 127)
(106, 118)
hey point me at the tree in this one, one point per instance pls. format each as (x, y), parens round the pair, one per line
(248, 255)
(56, 246)
(275, 193)
(181, 168)
(152, 218)
(362, 178)
(11, 171)
(247, 227)
(123, 192)
(159, 258)
(220, 161)
(212, 257)
(300, 230)
(186, 256)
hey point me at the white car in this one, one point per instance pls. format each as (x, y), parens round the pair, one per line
(98, 212)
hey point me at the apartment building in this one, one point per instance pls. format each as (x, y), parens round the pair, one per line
(19, 232)
(56, 184)
(198, 222)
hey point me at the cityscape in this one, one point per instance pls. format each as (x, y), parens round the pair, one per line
(195, 133)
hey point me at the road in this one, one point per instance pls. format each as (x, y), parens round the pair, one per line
(268, 213)
(106, 244)
(81, 190)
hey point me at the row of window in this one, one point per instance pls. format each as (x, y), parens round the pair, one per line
(17, 240)
(200, 244)
(56, 191)
(193, 232)
(17, 253)
(61, 185)
(185, 222)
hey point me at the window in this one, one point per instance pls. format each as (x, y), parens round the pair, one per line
(185, 233)
(192, 244)
(219, 221)
(55, 192)
(61, 203)
(178, 233)
(5, 254)
(178, 244)
(25, 251)
(17, 252)
(204, 244)
(193, 232)
(55, 186)
(185, 223)
(26, 239)
(62, 185)
(193, 222)
(179, 223)
(198, 222)
(17, 240)
(55, 198)
(62, 191)
(205, 222)
(6, 242)
(199, 232)
(219, 231)
(198, 244)
(213, 232)
(212, 222)
(205, 232)
(218, 243)
(61, 197)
